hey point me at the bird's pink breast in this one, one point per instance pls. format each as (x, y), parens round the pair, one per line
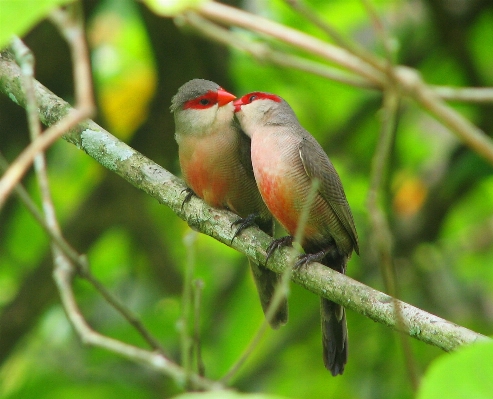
(273, 179)
(203, 174)
(211, 190)
(283, 183)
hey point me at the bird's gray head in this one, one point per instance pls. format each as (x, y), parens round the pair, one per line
(193, 89)
(263, 109)
(199, 106)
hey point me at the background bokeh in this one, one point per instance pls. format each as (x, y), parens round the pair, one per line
(439, 200)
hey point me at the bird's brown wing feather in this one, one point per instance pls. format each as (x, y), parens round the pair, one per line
(245, 152)
(317, 165)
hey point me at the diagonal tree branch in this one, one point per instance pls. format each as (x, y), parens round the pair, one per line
(168, 189)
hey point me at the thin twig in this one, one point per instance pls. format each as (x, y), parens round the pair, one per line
(73, 30)
(82, 264)
(71, 25)
(340, 40)
(63, 277)
(471, 135)
(382, 33)
(381, 234)
(379, 171)
(233, 16)
(127, 314)
(19, 167)
(25, 59)
(263, 52)
(187, 304)
(198, 287)
(464, 94)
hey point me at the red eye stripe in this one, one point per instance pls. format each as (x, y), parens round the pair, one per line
(258, 95)
(205, 101)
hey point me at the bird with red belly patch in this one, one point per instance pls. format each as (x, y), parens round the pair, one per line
(215, 161)
(286, 159)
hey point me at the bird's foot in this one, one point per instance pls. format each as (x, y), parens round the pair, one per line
(329, 256)
(286, 241)
(189, 195)
(243, 224)
(305, 259)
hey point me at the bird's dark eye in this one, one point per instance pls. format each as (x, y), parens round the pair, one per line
(252, 98)
(204, 101)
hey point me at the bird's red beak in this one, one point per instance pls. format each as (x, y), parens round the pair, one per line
(238, 103)
(224, 97)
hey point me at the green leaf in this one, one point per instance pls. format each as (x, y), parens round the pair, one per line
(170, 8)
(225, 395)
(17, 17)
(465, 374)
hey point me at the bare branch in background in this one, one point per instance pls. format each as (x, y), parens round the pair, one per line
(235, 17)
(84, 105)
(81, 264)
(71, 25)
(470, 134)
(464, 94)
(409, 80)
(22, 163)
(63, 277)
(340, 40)
(67, 262)
(265, 53)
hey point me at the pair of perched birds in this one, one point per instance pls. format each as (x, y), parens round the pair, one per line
(253, 157)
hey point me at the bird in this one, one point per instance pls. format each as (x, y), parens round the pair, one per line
(215, 161)
(286, 160)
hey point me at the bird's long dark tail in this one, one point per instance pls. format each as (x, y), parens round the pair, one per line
(334, 336)
(334, 327)
(266, 281)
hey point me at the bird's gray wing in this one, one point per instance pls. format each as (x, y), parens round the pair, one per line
(317, 165)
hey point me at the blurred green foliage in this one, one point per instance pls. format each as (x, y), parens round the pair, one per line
(438, 197)
(18, 16)
(460, 375)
